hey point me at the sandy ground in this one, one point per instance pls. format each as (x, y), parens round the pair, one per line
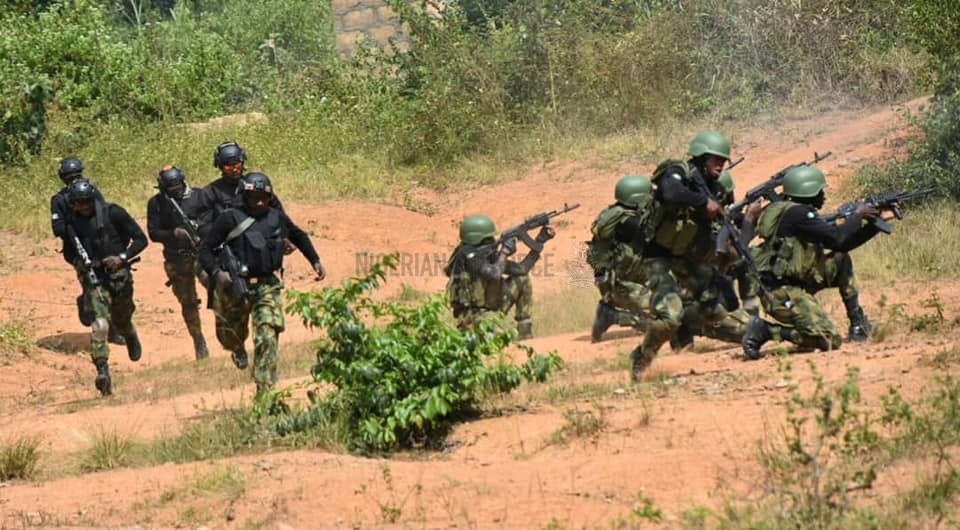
(692, 440)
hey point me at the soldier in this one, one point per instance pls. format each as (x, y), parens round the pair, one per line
(221, 194)
(72, 169)
(624, 296)
(101, 241)
(483, 281)
(801, 254)
(170, 220)
(682, 252)
(254, 234)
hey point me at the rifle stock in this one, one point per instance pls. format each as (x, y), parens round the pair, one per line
(88, 264)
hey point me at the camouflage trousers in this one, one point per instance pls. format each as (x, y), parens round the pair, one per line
(630, 300)
(665, 306)
(516, 292)
(233, 319)
(182, 276)
(835, 271)
(809, 325)
(703, 311)
(112, 306)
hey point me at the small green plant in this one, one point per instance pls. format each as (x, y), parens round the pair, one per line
(19, 458)
(645, 509)
(109, 449)
(403, 384)
(829, 448)
(580, 424)
(16, 336)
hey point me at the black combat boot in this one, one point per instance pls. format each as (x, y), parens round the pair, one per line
(115, 338)
(200, 347)
(239, 358)
(639, 361)
(860, 327)
(681, 338)
(524, 329)
(102, 382)
(133, 347)
(754, 337)
(606, 316)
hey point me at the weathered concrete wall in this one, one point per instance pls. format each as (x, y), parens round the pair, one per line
(369, 20)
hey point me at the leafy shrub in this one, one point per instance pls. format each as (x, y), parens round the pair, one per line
(405, 383)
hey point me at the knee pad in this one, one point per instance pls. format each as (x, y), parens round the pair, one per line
(100, 329)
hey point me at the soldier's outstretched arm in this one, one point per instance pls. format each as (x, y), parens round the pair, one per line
(299, 238)
(813, 229)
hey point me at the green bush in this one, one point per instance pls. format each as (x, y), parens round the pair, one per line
(405, 383)
(19, 458)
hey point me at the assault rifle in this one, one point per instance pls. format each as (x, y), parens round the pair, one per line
(509, 236)
(228, 262)
(890, 200)
(188, 224)
(87, 263)
(766, 190)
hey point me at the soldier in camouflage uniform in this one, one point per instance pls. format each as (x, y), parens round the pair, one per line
(255, 235)
(111, 239)
(624, 297)
(72, 169)
(682, 252)
(170, 221)
(483, 281)
(801, 254)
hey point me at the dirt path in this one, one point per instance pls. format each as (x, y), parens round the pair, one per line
(688, 437)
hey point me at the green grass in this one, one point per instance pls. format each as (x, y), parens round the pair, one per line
(16, 335)
(19, 458)
(567, 311)
(109, 449)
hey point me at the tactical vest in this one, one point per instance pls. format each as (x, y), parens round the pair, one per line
(676, 225)
(464, 290)
(605, 253)
(786, 258)
(260, 247)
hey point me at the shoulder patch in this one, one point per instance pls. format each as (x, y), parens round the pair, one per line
(811, 215)
(470, 255)
(677, 176)
(56, 216)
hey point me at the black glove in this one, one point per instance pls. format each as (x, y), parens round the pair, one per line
(509, 247)
(318, 268)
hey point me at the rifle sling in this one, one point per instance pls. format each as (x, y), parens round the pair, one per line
(240, 229)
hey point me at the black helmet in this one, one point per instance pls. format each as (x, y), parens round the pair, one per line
(255, 182)
(228, 153)
(169, 177)
(70, 166)
(81, 190)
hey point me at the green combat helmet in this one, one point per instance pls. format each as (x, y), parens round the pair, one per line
(710, 143)
(475, 228)
(633, 190)
(726, 180)
(804, 182)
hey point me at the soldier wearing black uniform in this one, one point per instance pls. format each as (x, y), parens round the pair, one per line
(222, 194)
(254, 234)
(171, 221)
(110, 238)
(72, 169)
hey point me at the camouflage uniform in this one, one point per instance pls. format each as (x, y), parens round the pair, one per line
(618, 273)
(478, 287)
(179, 260)
(685, 243)
(265, 307)
(255, 234)
(109, 237)
(116, 308)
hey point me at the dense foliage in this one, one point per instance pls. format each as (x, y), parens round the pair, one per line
(401, 375)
